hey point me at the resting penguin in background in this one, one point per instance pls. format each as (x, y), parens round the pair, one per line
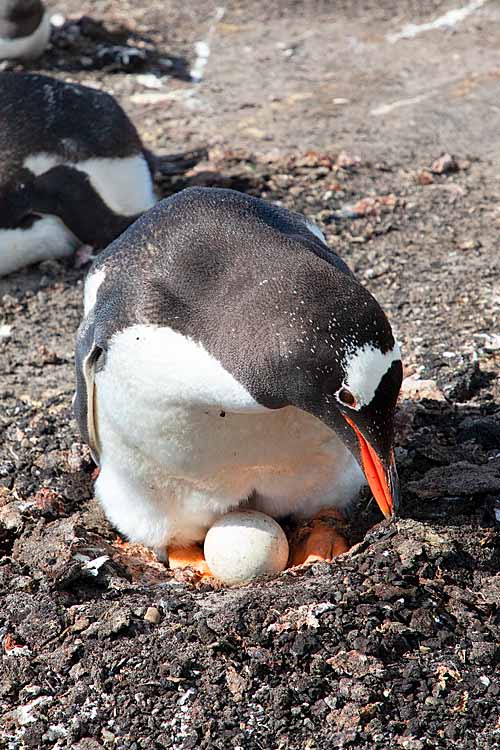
(73, 169)
(24, 29)
(44, 124)
(227, 356)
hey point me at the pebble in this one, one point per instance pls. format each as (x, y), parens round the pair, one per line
(445, 164)
(5, 332)
(152, 615)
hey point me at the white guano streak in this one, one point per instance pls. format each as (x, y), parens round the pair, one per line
(451, 18)
(202, 48)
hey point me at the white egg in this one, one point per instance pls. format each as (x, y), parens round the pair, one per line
(245, 544)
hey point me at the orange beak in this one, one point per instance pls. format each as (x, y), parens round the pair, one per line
(383, 482)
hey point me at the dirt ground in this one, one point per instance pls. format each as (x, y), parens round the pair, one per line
(323, 107)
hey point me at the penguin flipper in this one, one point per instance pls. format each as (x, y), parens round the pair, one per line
(87, 356)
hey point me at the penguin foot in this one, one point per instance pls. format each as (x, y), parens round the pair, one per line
(319, 540)
(189, 557)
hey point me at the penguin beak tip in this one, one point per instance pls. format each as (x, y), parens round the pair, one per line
(381, 475)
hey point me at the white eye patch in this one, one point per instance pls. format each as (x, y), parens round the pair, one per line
(364, 369)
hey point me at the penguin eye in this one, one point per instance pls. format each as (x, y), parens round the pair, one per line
(347, 398)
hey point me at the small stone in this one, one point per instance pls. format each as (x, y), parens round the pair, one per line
(445, 164)
(5, 332)
(415, 388)
(75, 461)
(424, 177)
(80, 624)
(116, 620)
(469, 245)
(152, 615)
(347, 161)
(10, 518)
(356, 664)
(410, 743)
(458, 480)
(236, 683)
(257, 133)
(88, 744)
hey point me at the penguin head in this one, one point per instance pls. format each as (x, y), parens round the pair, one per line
(61, 190)
(67, 192)
(55, 192)
(15, 204)
(341, 363)
(28, 197)
(363, 404)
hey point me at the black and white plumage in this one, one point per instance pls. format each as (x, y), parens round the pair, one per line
(72, 169)
(226, 356)
(24, 29)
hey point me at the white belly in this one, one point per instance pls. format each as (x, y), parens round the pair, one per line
(181, 442)
(124, 184)
(47, 238)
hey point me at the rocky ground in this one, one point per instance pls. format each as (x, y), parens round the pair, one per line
(391, 145)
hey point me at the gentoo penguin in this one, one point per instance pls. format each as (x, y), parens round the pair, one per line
(227, 356)
(47, 124)
(24, 29)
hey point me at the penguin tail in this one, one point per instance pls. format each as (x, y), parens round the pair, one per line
(175, 164)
